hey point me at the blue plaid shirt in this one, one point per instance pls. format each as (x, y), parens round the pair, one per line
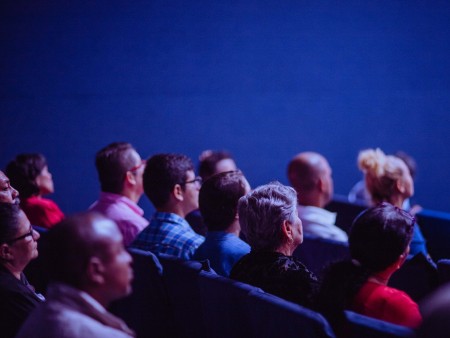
(170, 234)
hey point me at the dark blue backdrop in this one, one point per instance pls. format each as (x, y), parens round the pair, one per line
(263, 79)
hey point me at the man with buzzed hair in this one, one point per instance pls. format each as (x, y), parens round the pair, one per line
(89, 268)
(120, 170)
(310, 175)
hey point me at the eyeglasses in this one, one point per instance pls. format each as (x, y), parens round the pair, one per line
(30, 233)
(197, 180)
(136, 167)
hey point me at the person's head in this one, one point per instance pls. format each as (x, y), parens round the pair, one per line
(18, 240)
(120, 169)
(86, 251)
(169, 180)
(409, 161)
(380, 235)
(7, 193)
(269, 218)
(387, 177)
(214, 162)
(29, 175)
(310, 175)
(219, 197)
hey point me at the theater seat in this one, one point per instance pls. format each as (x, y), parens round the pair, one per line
(272, 316)
(366, 327)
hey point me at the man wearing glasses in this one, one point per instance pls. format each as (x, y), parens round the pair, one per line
(171, 185)
(120, 170)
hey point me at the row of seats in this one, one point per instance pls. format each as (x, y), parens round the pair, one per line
(174, 298)
(435, 225)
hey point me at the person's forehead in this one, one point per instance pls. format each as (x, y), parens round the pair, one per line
(190, 174)
(3, 178)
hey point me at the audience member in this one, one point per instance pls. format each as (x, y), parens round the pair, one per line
(120, 170)
(310, 175)
(379, 244)
(269, 219)
(18, 246)
(211, 163)
(7, 193)
(29, 174)
(89, 268)
(359, 194)
(388, 179)
(171, 185)
(218, 200)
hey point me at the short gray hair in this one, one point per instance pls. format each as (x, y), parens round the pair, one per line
(262, 212)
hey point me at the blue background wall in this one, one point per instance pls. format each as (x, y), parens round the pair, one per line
(263, 79)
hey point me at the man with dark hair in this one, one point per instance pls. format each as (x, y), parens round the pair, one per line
(218, 201)
(310, 175)
(171, 185)
(120, 170)
(89, 268)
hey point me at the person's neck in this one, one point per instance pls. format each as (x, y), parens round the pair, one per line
(132, 195)
(15, 271)
(313, 200)
(285, 249)
(173, 209)
(234, 228)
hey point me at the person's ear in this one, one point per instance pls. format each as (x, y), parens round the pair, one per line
(5, 252)
(286, 228)
(95, 271)
(130, 178)
(400, 185)
(178, 192)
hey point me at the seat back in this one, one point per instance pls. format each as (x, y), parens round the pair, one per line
(436, 229)
(417, 277)
(147, 310)
(272, 316)
(365, 327)
(346, 211)
(181, 280)
(443, 267)
(225, 306)
(316, 253)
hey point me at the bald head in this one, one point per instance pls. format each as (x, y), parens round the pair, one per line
(86, 252)
(310, 175)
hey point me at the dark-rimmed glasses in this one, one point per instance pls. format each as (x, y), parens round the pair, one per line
(30, 233)
(197, 180)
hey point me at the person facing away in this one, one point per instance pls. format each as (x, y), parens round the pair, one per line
(89, 268)
(310, 175)
(379, 245)
(269, 219)
(29, 174)
(120, 170)
(171, 185)
(210, 163)
(388, 179)
(218, 200)
(18, 246)
(7, 193)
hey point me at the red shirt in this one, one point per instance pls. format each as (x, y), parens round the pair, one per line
(41, 211)
(388, 304)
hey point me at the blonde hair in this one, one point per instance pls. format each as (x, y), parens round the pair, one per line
(381, 173)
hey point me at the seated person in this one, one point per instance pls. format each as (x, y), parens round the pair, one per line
(89, 268)
(379, 244)
(310, 175)
(29, 174)
(211, 163)
(388, 179)
(171, 185)
(18, 246)
(120, 170)
(269, 219)
(218, 200)
(7, 193)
